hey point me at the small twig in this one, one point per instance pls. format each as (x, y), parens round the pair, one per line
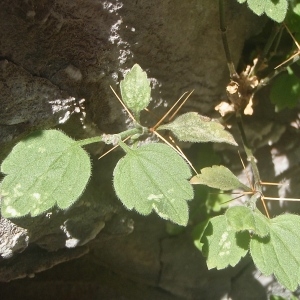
(252, 161)
(276, 28)
(232, 70)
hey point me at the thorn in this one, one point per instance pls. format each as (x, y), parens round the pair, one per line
(167, 113)
(270, 183)
(247, 174)
(296, 43)
(129, 113)
(285, 199)
(113, 148)
(262, 198)
(183, 102)
(179, 152)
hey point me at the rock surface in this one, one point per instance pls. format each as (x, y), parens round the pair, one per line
(55, 53)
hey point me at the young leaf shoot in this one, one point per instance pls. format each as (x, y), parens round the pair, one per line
(135, 90)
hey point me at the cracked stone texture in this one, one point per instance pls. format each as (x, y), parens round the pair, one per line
(55, 53)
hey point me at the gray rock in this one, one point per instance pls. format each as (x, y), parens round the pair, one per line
(71, 50)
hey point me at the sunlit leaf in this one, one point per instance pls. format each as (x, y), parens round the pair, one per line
(154, 177)
(278, 253)
(135, 90)
(47, 168)
(222, 245)
(192, 127)
(243, 218)
(218, 177)
(275, 10)
(257, 6)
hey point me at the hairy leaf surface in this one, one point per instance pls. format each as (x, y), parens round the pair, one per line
(192, 127)
(135, 90)
(45, 169)
(222, 245)
(243, 218)
(279, 252)
(276, 10)
(218, 177)
(154, 177)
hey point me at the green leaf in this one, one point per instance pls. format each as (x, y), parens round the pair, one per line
(293, 18)
(217, 201)
(222, 245)
(154, 177)
(285, 92)
(45, 169)
(257, 6)
(278, 253)
(192, 127)
(198, 232)
(205, 155)
(276, 297)
(135, 90)
(242, 218)
(274, 9)
(218, 177)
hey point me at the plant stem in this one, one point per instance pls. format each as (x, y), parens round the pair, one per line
(111, 138)
(232, 71)
(91, 140)
(248, 151)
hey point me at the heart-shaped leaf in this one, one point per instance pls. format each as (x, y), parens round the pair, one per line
(276, 10)
(222, 245)
(135, 90)
(279, 252)
(192, 127)
(218, 177)
(154, 177)
(45, 169)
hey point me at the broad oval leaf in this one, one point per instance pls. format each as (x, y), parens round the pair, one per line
(135, 90)
(45, 169)
(279, 252)
(192, 127)
(285, 91)
(243, 218)
(222, 245)
(218, 177)
(154, 177)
